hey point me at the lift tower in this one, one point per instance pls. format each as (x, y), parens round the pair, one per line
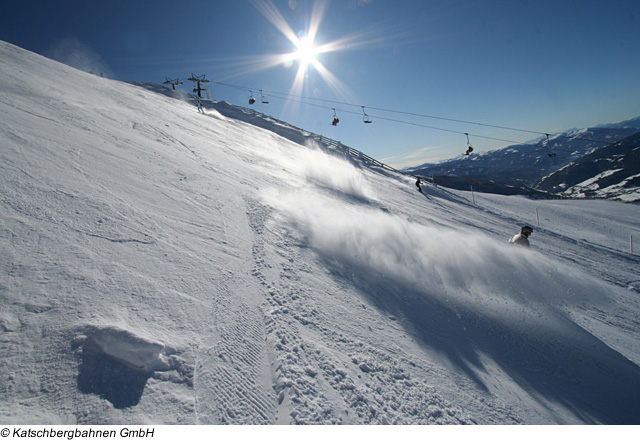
(198, 80)
(173, 82)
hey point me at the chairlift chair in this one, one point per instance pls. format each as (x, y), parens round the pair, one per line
(263, 99)
(335, 118)
(252, 100)
(365, 117)
(549, 152)
(469, 147)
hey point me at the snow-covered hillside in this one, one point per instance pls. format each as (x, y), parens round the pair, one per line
(162, 266)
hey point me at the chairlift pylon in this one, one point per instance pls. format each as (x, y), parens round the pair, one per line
(365, 117)
(173, 82)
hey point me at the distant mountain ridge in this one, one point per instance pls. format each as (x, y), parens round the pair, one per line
(609, 172)
(630, 123)
(527, 169)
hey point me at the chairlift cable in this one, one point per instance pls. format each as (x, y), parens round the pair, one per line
(304, 100)
(271, 92)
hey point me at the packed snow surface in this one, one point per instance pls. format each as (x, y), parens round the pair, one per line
(162, 266)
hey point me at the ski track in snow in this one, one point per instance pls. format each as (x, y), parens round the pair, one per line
(328, 375)
(162, 266)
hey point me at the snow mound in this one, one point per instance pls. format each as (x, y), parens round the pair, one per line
(133, 350)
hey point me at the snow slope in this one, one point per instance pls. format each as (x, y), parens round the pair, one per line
(162, 266)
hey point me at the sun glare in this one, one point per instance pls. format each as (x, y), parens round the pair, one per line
(307, 51)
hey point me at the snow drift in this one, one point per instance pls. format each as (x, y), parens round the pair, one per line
(135, 351)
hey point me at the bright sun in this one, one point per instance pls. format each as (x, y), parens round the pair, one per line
(307, 51)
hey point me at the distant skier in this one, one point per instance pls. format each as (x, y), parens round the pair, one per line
(522, 239)
(200, 109)
(418, 182)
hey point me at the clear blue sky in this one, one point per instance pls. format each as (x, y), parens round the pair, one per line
(544, 66)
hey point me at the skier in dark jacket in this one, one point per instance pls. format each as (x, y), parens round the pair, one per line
(418, 182)
(522, 239)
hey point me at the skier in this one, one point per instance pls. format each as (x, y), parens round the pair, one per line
(200, 109)
(418, 182)
(522, 239)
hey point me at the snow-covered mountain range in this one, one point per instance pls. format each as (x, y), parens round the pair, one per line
(528, 169)
(610, 172)
(158, 265)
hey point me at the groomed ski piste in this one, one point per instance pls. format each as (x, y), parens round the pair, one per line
(160, 266)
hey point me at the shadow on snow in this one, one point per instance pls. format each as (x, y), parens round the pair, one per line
(110, 378)
(565, 365)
